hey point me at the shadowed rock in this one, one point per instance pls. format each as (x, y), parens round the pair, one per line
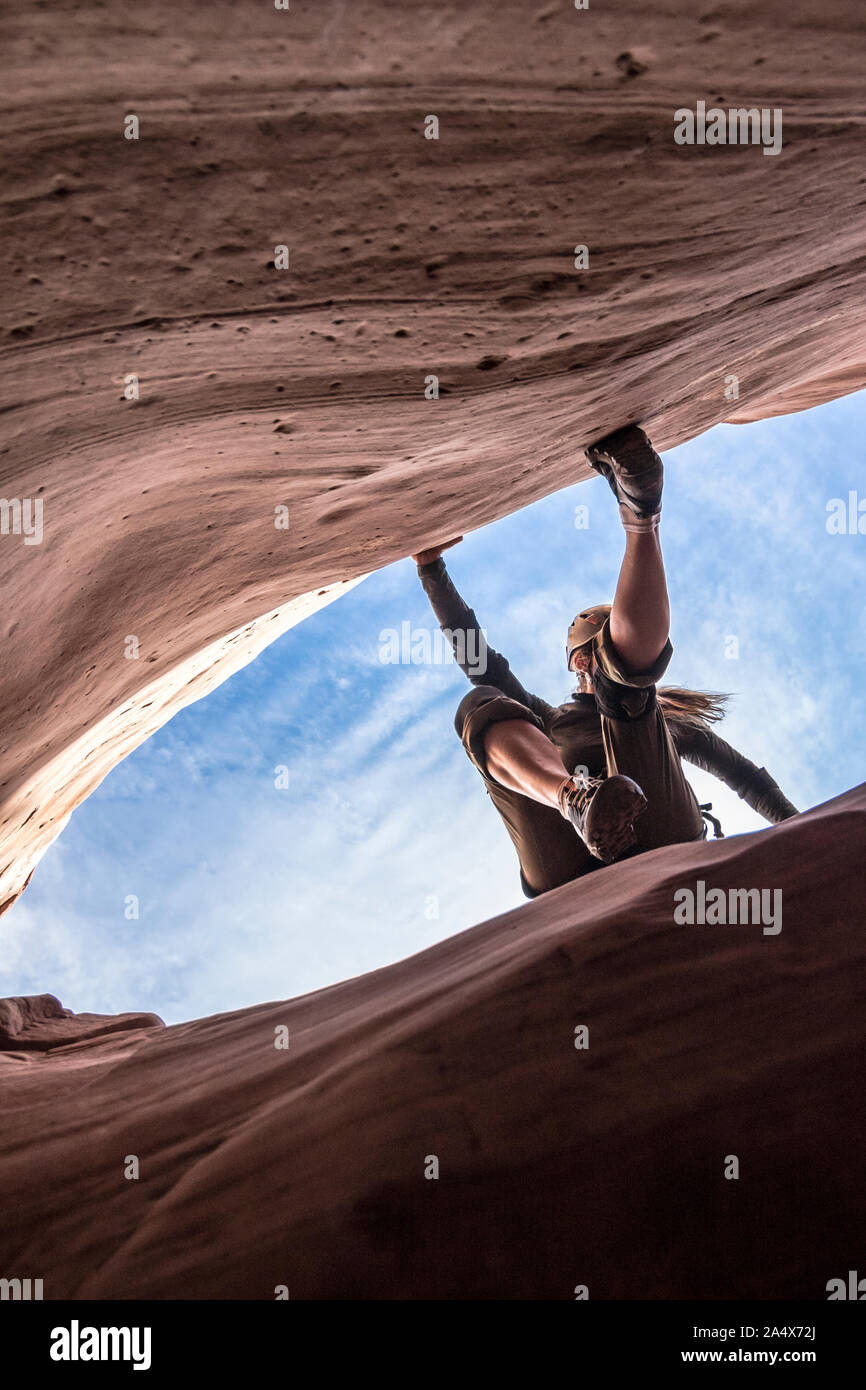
(558, 1166)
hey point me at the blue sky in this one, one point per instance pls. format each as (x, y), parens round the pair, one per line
(383, 842)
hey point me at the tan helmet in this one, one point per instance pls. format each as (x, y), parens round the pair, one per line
(586, 625)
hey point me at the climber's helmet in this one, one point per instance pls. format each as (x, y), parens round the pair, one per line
(586, 625)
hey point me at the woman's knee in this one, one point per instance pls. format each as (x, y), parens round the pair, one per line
(479, 695)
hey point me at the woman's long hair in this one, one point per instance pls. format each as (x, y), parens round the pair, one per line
(699, 708)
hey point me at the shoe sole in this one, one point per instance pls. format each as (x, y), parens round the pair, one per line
(611, 457)
(609, 831)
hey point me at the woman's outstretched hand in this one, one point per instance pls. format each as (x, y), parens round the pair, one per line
(426, 557)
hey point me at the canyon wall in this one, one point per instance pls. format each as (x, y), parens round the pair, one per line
(281, 443)
(218, 442)
(605, 1165)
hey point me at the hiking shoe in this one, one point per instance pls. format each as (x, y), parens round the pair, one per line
(632, 467)
(603, 811)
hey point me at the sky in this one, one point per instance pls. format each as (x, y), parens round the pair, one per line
(315, 817)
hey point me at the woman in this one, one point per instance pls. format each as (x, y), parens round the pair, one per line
(599, 778)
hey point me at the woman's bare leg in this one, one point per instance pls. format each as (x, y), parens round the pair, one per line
(602, 811)
(523, 759)
(640, 618)
(519, 755)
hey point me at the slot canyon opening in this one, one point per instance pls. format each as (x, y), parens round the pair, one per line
(315, 817)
